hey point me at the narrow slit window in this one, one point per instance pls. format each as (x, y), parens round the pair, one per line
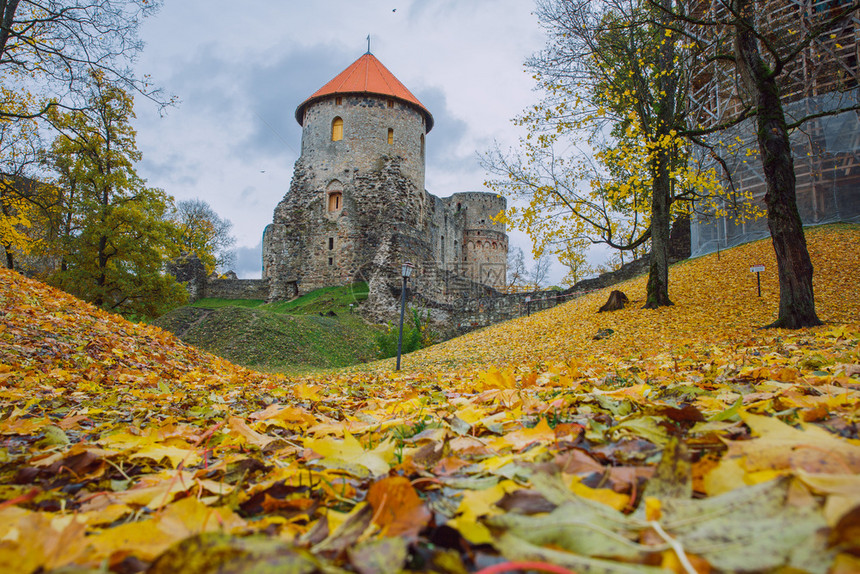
(390, 103)
(330, 261)
(390, 136)
(338, 101)
(330, 243)
(337, 129)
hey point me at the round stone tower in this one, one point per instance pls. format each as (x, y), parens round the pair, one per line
(358, 183)
(360, 116)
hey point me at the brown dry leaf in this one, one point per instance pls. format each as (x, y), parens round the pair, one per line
(397, 508)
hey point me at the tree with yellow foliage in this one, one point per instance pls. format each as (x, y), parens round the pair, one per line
(23, 200)
(605, 158)
(760, 50)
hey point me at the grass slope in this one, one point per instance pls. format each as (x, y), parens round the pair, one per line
(285, 336)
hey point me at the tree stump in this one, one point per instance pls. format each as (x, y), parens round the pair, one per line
(616, 301)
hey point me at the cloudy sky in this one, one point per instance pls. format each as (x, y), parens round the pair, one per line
(240, 69)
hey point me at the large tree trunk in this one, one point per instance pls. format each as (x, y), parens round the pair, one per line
(657, 294)
(7, 17)
(796, 297)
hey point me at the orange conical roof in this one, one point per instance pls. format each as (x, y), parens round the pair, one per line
(366, 75)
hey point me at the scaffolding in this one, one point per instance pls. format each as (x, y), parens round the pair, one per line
(822, 78)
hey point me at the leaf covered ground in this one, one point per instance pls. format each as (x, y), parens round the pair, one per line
(683, 439)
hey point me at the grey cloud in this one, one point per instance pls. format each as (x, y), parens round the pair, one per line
(248, 263)
(274, 91)
(443, 142)
(175, 169)
(203, 81)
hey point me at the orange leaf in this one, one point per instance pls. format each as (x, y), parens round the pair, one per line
(397, 508)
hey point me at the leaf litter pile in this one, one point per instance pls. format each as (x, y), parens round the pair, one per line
(678, 440)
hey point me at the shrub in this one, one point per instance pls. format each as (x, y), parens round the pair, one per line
(417, 334)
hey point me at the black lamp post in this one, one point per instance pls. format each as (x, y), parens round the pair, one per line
(405, 272)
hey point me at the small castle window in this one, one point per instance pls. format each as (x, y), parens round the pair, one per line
(338, 101)
(390, 103)
(336, 129)
(458, 207)
(335, 201)
(330, 243)
(390, 136)
(330, 261)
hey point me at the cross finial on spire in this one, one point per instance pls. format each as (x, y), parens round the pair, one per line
(368, 43)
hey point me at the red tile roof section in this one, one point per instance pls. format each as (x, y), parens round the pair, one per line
(366, 75)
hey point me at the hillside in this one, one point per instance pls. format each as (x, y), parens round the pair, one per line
(715, 302)
(315, 331)
(686, 440)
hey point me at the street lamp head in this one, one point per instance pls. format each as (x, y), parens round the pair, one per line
(406, 270)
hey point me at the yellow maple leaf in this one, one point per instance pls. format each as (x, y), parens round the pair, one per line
(175, 455)
(349, 450)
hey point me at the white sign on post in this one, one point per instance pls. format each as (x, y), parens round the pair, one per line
(756, 268)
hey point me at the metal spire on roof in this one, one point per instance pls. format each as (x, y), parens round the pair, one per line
(368, 43)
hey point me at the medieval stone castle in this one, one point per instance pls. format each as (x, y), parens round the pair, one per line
(357, 208)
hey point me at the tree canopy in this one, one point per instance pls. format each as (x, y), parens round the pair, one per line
(115, 235)
(50, 48)
(200, 230)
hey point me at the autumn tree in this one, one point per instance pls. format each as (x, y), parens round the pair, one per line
(115, 232)
(19, 151)
(762, 50)
(199, 230)
(52, 47)
(573, 258)
(604, 158)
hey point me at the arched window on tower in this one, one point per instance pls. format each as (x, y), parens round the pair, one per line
(390, 136)
(335, 201)
(337, 129)
(334, 198)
